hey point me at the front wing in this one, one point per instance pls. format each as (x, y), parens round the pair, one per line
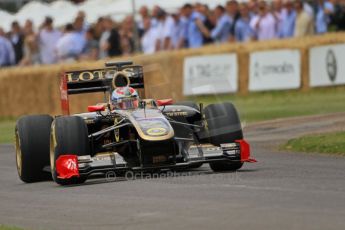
(238, 151)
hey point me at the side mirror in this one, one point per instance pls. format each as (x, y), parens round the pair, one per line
(96, 108)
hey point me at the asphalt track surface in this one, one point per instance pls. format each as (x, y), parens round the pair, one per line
(283, 191)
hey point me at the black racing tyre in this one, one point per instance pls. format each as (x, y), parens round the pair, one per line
(68, 135)
(224, 126)
(32, 137)
(188, 103)
(223, 123)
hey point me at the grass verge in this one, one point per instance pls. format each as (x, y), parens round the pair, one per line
(3, 227)
(7, 131)
(330, 143)
(281, 104)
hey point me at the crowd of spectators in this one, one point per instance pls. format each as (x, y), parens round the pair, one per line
(191, 26)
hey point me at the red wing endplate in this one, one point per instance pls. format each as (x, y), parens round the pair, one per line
(245, 152)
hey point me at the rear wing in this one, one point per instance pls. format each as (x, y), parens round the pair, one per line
(97, 80)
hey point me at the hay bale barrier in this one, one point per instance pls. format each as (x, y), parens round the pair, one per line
(33, 90)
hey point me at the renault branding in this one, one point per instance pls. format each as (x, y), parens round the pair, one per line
(331, 62)
(324, 65)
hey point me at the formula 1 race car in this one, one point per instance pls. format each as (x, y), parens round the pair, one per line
(126, 133)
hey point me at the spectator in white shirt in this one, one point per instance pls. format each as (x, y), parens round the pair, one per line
(165, 30)
(308, 8)
(264, 24)
(144, 13)
(149, 38)
(48, 38)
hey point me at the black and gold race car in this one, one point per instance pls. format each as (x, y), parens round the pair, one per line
(152, 135)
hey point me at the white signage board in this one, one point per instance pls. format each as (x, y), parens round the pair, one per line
(275, 70)
(327, 65)
(210, 74)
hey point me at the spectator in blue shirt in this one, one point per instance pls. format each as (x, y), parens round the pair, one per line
(288, 19)
(243, 31)
(7, 55)
(231, 7)
(221, 33)
(194, 34)
(323, 11)
(179, 31)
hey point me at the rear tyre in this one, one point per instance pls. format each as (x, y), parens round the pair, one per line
(69, 135)
(32, 147)
(224, 126)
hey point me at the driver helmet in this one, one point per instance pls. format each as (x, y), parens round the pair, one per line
(125, 98)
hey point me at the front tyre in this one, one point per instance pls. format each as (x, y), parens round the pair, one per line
(224, 126)
(32, 147)
(69, 135)
(224, 166)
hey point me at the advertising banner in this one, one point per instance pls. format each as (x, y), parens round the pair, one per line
(210, 74)
(275, 70)
(327, 65)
